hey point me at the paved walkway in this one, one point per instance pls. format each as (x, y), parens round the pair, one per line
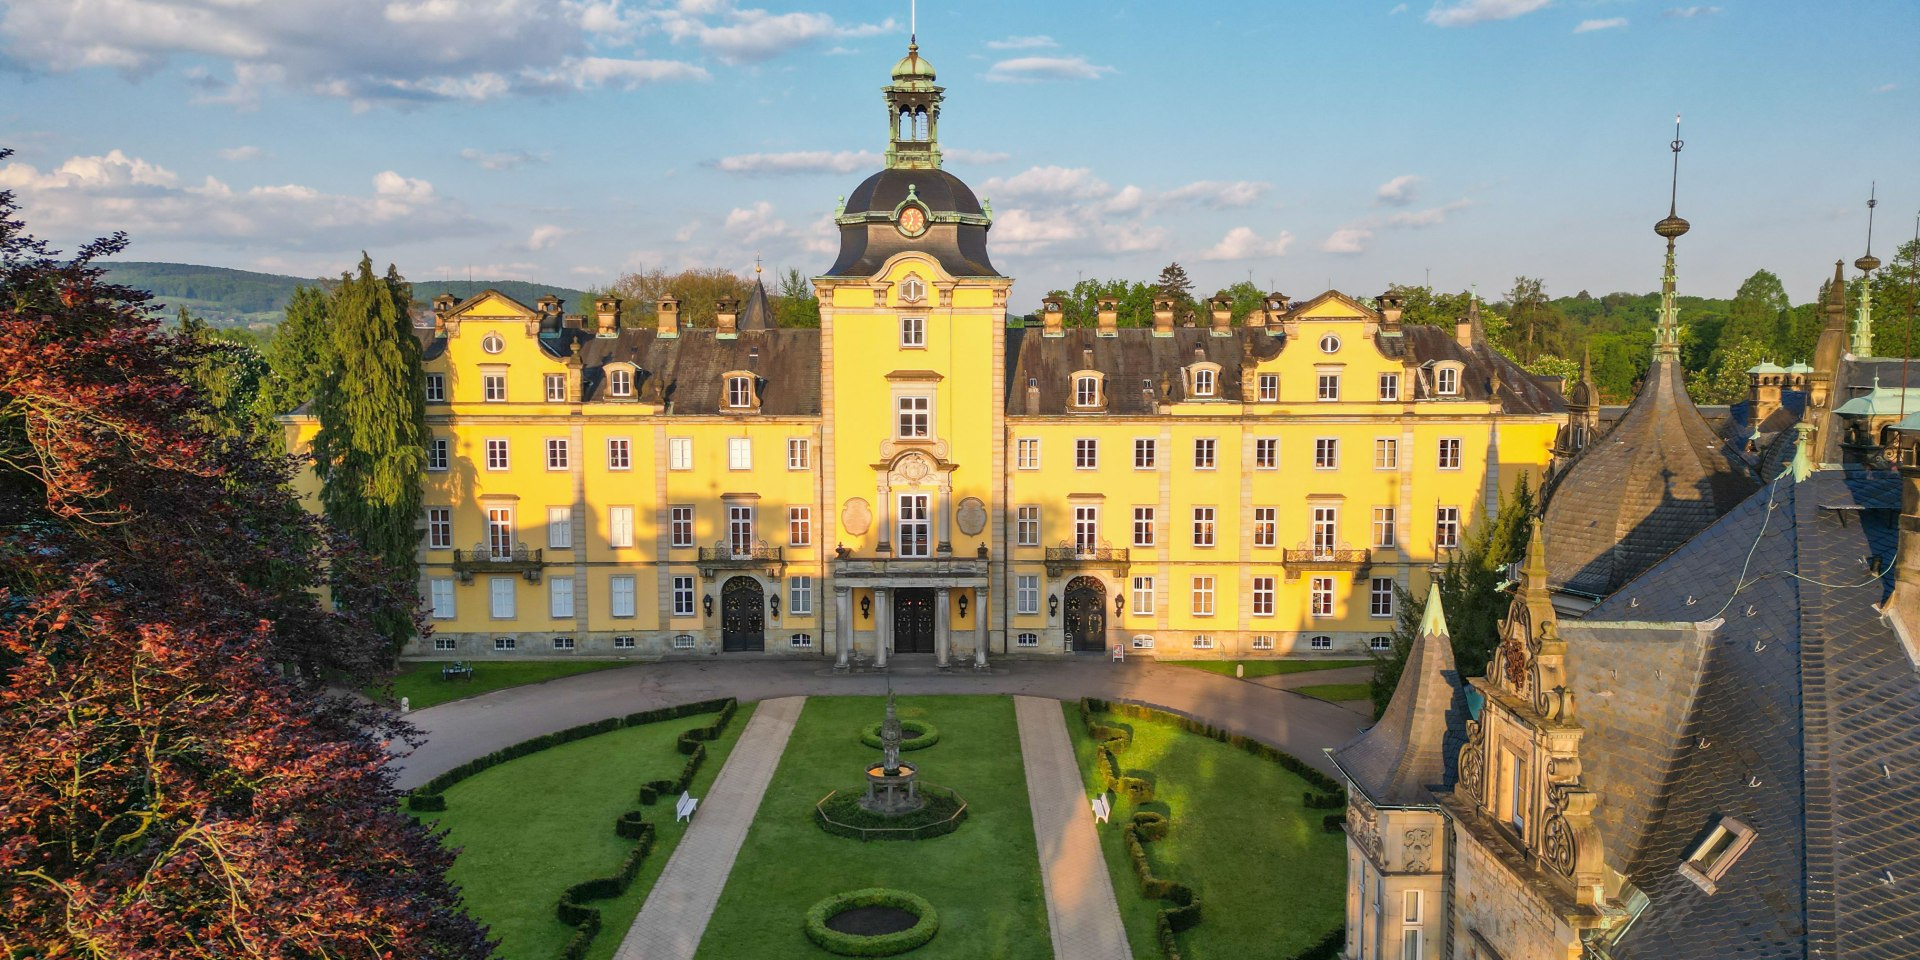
(675, 915)
(1084, 917)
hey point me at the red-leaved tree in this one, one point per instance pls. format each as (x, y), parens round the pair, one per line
(175, 781)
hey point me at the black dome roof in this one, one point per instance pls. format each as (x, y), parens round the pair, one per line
(941, 191)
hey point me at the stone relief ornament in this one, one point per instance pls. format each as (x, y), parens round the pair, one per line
(1363, 824)
(971, 516)
(1473, 758)
(1414, 847)
(912, 469)
(856, 517)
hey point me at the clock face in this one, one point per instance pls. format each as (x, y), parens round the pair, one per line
(913, 221)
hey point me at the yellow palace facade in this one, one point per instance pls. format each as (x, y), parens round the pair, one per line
(915, 477)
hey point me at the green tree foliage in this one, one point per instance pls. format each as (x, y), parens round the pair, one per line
(1174, 285)
(697, 289)
(1727, 382)
(300, 353)
(1534, 327)
(1081, 304)
(229, 375)
(795, 304)
(1246, 298)
(371, 447)
(1471, 591)
(1758, 314)
(1896, 300)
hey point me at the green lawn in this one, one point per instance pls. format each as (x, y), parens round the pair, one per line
(984, 879)
(1336, 692)
(1271, 881)
(531, 827)
(1268, 668)
(419, 680)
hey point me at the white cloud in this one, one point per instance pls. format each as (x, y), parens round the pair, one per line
(1022, 43)
(748, 36)
(1049, 182)
(1031, 69)
(1462, 13)
(1128, 200)
(1886, 88)
(1399, 191)
(1241, 243)
(503, 159)
(1610, 23)
(242, 154)
(88, 195)
(1021, 230)
(1427, 217)
(367, 51)
(1688, 13)
(755, 224)
(799, 161)
(545, 236)
(490, 271)
(1132, 238)
(1219, 194)
(1398, 9)
(1347, 240)
(686, 232)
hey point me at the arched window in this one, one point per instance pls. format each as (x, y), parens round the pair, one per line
(1446, 380)
(1203, 383)
(739, 392)
(1086, 391)
(1027, 640)
(620, 382)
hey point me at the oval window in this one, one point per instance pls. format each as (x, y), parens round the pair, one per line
(493, 343)
(1329, 344)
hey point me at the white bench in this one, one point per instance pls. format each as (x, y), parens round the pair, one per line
(683, 810)
(1119, 653)
(1102, 808)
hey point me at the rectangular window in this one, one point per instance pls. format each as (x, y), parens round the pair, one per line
(680, 453)
(1410, 941)
(1263, 596)
(1380, 597)
(800, 526)
(1389, 387)
(1446, 527)
(620, 595)
(1203, 526)
(445, 643)
(1202, 641)
(1447, 380)
(1086, 392)
(1263, 643)
(1326, 525)
(1266, 453)
(1086, 530)
(1322, 597)
(1086, 454)
(440, 589)
(739, 453)
(1326, 453)
(1203, 596)
(619, 527)
(1386, 453)
(437, 454)
(1383, 535)
(913, 331)
(739, 392)
(1143, 526)
(1203, 450)
(1145, 453)
(680, 526)
(436, 388)
(500, 533)
(620, 382)
(623, 643)
(1203, 383)
(563, 643)
(1269, 388)
(1450, 453)
(1027, 640)
(800, 596)
(439, 528)
(1143, 596)
(493, 387)
(500, 593)
(740, 530)
(683, 596)
(916, 525)
(557, 458)
(556, 387)
(560, 598)
(619, 453)
(1329, 386)
(915, 417)
(560, 528)
(799, 454)
(497, 458)
(1026, 527)
(1516, 799)
(1027, 454)
(1026, 593)
(1265, 526)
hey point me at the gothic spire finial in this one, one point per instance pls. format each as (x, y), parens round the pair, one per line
(1666, 337)
(1862, 345)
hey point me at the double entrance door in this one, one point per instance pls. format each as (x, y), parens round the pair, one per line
(743, 624)
(1086, 620)
(913, 621)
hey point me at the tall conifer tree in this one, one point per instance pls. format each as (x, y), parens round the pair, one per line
(370, 451)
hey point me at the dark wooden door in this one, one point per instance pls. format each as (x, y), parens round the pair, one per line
(743, 615)
(1086, 621)
(913, 621)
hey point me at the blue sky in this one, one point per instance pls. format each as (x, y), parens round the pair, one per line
(1301, 144)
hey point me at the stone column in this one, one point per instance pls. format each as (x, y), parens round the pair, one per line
(980, 628)
(942, 638)
(945, 507)
(843, 626)
(886, 517)
(882, 626)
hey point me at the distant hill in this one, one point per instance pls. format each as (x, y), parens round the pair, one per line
(243, 298)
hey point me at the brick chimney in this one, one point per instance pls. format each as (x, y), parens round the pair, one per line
(442, 309)
(606, 313)
(1162, 317)
(1271, 310)
(1392, 305)
(1109, 317)
(726, 322)
(1052, 317)
(668, 309)
(1222, 316)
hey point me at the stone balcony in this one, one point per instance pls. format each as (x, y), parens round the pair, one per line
(484, 559)
(727, 555)
(1316, 559)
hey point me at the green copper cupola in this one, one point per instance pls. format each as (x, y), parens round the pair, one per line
(913, 114)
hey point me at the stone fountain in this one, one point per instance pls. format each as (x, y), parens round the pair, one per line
(891, 791)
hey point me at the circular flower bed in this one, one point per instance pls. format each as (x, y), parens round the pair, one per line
(871, 945)
(841, 814)
(919, 735)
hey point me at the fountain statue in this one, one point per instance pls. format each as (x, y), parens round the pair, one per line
(891, 790)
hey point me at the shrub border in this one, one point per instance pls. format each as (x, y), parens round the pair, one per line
(927, 736)
(881, 945)
(1147, 826)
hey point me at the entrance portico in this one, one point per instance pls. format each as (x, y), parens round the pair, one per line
(913, 606)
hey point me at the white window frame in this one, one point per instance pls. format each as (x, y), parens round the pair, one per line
(1143, 596)
(1386, 453)
(1380, 643)
(1143, 526)
(1322, 602)
(1384, 534)
(800, 526)
(623, 643)
(1380, 598)
(739, 392)
(444, 644)
(552, 380)
(1449, 453)
(1205, 453)
(1389, 388)
(1202, 596)
(500, 532)
(1266, 453)
(684, 601)
(1326, 453)
(800, 596)
(559, 454)
(913, 524)
(1263, 642)
(560, 598)
(1026, 526)
(913, 417)
(1269, 387)
(499, 454)
(1446, 520)
(1329, 343)
(501, 600)
(1027, 453)
(801, 640)
(436, 388)
(621, 595)
(620, 527)
(739, 453)
(1328, 386)
(1266, 526)
(439, 528)
(683, 641)
(913, 333)
(1323, 642)
(1203, 383)
(1205, 530)
(563, 643)
(1086, 454)
(679, 453)
(1325, 531)
(1203, 641)
(620, 382)
(1446, 381)
(1262, 592)
(438, 449)
(501, 644)
(619, 453)
(740, 530)
(680, 526)
(1086, 529)
(441, 598)
(1086, 391)
(799, 453)
(493, 386)
(1146, 453)
(560, 528)
(1027, 639)
(1026, 593)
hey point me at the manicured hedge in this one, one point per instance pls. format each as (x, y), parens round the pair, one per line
(919, 735)
(883, 945)
(1293, 764)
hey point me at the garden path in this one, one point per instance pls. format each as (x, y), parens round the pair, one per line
(1081, 909)
(675, 915)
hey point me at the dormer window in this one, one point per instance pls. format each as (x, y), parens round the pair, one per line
(492, 343)
(1446, 380)
(620, 382)
(739, 392)
(1203, 382)
(1086, 390)
(1330, 344)
(1714, 857)
(912, 289)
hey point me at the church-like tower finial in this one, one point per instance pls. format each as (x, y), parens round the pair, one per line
(1863, 323)
(913, 112)
(1666, 337)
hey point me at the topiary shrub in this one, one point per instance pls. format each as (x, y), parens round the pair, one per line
(882, 945)
(1323, 801)
(918, 734)
(1333, 822)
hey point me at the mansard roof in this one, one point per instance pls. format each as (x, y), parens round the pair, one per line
(1414, 745)
(687, 370)
(1750, 675)
(1657, 478)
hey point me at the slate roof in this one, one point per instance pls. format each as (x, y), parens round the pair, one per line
(687, 370)
(1646, 486)
(758, 313)
(1414, 745)
(1750, 675)
(866, 243)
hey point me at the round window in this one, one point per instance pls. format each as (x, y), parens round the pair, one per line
(1329, 344)
(493, 343)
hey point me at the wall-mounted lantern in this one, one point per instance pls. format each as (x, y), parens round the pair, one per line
(773, 602)
(1053, 606)
(708, 603)
(963, 606)
(1119, 604)
(866, 608)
